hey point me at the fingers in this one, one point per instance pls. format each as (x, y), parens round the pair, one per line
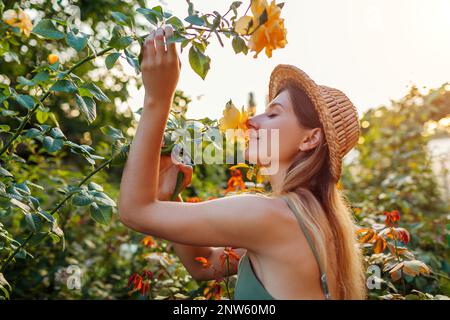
(155, 46)
(159, 42)
(149, 46)
(171, 48)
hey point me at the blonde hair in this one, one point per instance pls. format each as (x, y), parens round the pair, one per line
(324, 208)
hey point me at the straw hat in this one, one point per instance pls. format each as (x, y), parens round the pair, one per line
(337, 113)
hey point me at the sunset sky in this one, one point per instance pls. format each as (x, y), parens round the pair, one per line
(373, 50)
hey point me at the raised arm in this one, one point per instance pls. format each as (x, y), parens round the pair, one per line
(244, 221)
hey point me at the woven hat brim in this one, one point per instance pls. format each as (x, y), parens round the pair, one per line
(320, 97)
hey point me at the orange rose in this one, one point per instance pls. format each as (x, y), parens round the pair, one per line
(52, 58)
(269, 35)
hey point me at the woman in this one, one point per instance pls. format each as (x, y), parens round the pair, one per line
(296, 243)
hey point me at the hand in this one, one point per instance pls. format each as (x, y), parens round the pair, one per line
(168, 171)
(160, 67)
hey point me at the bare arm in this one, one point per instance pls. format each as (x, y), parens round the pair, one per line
(242, 221)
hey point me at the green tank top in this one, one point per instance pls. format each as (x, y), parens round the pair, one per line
(249, 287)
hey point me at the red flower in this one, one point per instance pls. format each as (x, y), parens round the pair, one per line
(136, 280)
(392, 217)
(403, 235)
(147, 274)
(140, 283)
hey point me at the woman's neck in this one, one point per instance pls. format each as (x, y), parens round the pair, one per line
(277, 179)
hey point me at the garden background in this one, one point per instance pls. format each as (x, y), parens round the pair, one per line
(69, 103)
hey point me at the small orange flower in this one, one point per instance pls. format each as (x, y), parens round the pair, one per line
(213, 290)
(392, 217)
(52, 58)
(236, 182)
(193, 199)
(205, 263)
(231, 254)
(148, 241)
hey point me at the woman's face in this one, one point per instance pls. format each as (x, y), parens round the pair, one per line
(276, 135)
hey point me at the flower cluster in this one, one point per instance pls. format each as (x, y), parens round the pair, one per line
(399, 260)
(140, 282)
(265, 27)
(18, 19)
(229, 257)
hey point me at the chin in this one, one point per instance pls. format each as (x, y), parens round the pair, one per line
(252, 154)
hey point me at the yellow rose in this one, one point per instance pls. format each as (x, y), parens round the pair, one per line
(270, 35)
(9, 17)
(231, 117)
(24, 23)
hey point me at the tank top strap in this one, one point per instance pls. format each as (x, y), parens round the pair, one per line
(323, 277)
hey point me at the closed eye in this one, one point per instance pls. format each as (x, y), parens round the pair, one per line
(271, 115)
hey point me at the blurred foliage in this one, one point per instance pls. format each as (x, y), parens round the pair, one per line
(393, 171)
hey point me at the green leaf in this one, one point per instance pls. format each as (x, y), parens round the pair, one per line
(199, 62)
(45, 28)
(95, 91)
(26, 82)
(133, 61)
(81, 199)
(150, 15)
(41, 116)
(119, 43)
(121, 18)
(94, 186)
(32, 133)
(103, 199)
(175, 22)
(64, 86)
(57, 133)
(5, 173)
(175, 38)
(52, 145)
(239, 45)
(111, 59)
(119, 153)
(195, 20)
(112, 132)
(25, 101)
(87, 107)
(101, 214)
(42, 76)
(77, 41)
(29, 218)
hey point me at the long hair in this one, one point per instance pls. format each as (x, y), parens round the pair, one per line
(326, 211)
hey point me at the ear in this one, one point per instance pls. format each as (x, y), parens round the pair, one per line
(311, 139)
